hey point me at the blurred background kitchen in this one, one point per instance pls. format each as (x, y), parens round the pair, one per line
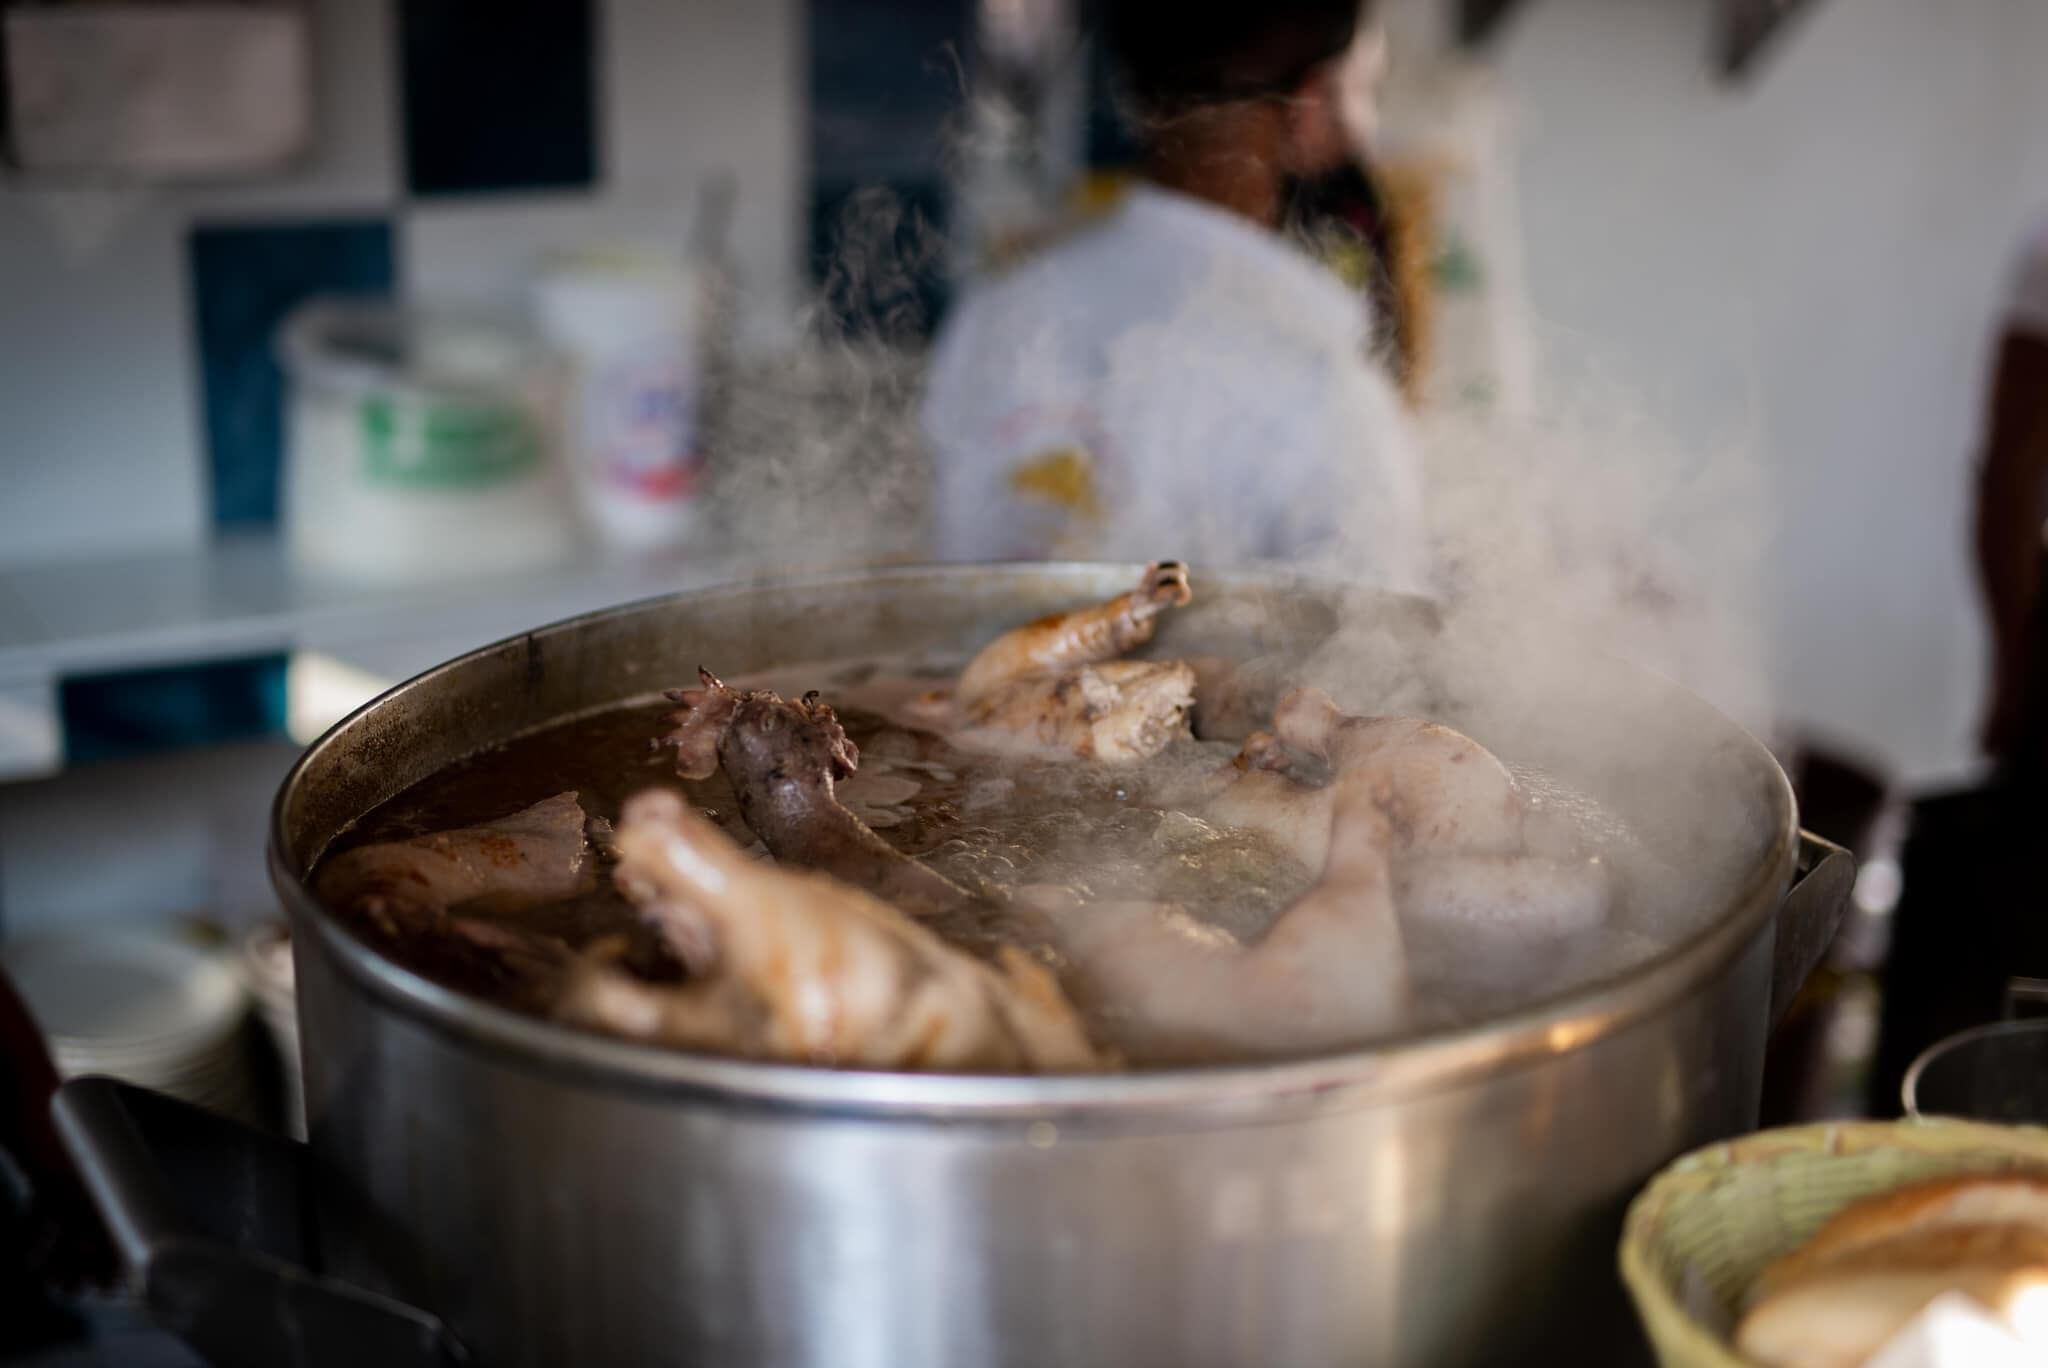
(312, 316)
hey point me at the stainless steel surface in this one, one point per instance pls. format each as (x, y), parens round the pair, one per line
(1810, 917)
(210, 1217)
(1443, 1200)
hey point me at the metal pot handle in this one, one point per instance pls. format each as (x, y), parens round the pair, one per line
(1809, 916)
(212, 1219)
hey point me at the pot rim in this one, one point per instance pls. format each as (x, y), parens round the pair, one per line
(1405, 1066)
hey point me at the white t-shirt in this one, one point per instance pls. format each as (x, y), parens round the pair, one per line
(2027, 310)
(1171, 382)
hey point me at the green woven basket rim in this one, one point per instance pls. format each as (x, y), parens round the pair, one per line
(1681, 1340)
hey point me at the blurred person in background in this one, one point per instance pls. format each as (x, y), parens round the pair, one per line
(1967, 931)
(1181, 367)
(2012, 502)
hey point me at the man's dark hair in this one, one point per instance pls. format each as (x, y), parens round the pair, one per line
(1177, 56)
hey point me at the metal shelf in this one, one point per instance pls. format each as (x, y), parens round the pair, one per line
(241, 596)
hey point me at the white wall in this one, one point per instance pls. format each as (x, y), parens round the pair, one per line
(1810, 264)
(691, 89)
(101, 447)
(103, 443)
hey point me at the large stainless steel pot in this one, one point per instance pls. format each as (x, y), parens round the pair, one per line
(557, 1197)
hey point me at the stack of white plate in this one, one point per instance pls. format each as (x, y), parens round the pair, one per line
(267, 971)
(140, 1006)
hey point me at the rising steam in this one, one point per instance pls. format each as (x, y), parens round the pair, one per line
(1583, 518)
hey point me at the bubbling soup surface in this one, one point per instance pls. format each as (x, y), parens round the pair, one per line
(995, 824)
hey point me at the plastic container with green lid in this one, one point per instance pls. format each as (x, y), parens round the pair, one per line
(420, 445)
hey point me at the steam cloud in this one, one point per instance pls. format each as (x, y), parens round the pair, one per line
(1578, 528)
(1584, 520)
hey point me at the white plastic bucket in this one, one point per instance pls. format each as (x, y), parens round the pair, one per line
(631, 323)
(419, 446)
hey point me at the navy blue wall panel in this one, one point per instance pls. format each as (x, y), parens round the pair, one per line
(886, 83)
(138, 711)
(498, 94)
(245, 279)
(886, 91)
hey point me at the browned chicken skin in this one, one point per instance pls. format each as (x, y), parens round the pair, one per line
(1085, 636)
(410, 890)
(533, 856)
(1055, 685)
(803, 968)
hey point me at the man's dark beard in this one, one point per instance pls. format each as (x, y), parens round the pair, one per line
(1345, 208)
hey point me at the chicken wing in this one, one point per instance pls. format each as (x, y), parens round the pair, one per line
(1086, 636)
(1055, 686)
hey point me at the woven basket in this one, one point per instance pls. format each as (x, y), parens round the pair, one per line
(1699, 1234)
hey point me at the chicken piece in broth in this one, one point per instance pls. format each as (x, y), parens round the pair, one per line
(1466, 870)
(1419, 834)
(785, 761)
(1330, 971)
(536, 855)
(797, 966)
(1056, 687)
(442, 896)
(1444, 792)
(1341, 880)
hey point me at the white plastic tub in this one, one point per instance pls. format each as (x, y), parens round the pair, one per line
(420, 446)
(631, 324)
